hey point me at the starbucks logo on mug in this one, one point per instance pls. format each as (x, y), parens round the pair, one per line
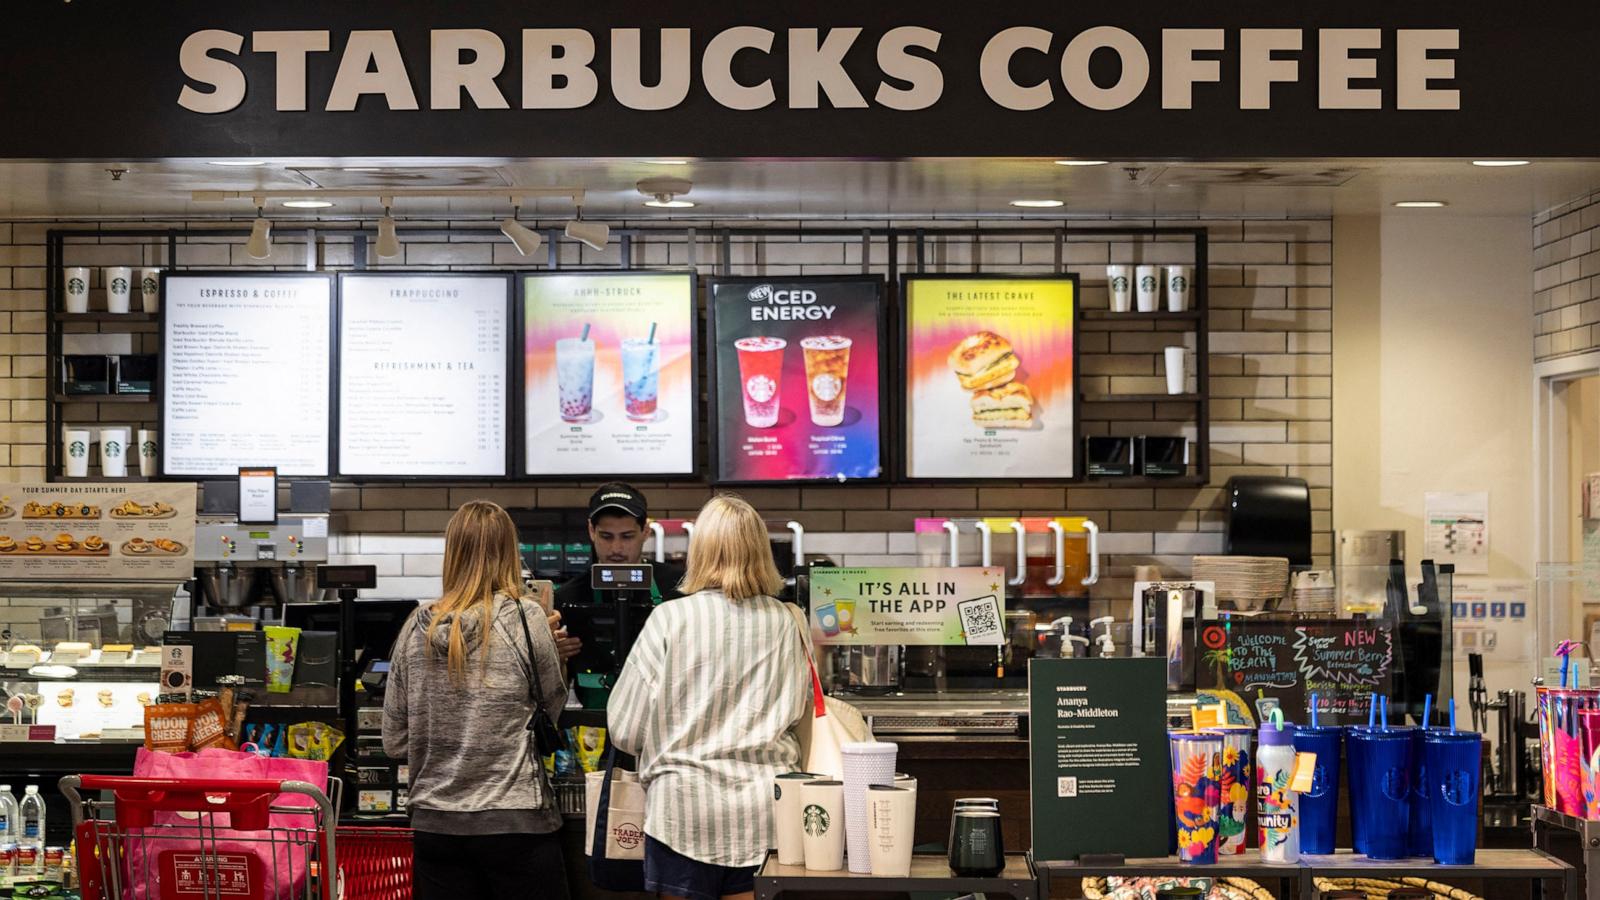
(76, 285)
(1319, 781)
(119, 285)
(1394, 784)
(1179, 284)
(77, 449)
(113, 448)
(1456, 788)
(149, 285)
(1147, 283)
(1119, 283)
(816, 821)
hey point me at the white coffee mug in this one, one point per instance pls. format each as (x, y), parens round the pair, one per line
(75, 288)
(1147, 287)
(149, 284)
(787, 816)
(822, 818)
(119, 288)
(891, 830)
(1119, 284)
(1179, 280)
(147, 452)
(75, 445)
(114, 452)
(1175, 369)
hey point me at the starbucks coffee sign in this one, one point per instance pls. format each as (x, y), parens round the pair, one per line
(943, 78)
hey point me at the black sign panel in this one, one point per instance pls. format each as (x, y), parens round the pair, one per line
(1343, 661)
(1134, 80)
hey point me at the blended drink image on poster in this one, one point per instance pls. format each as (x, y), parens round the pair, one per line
(991, 377)
(798, 393)
(608, 385)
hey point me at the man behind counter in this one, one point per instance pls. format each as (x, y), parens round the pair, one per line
(617, 517)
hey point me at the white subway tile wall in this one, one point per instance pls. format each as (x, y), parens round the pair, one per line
(1566, 279)
(1270, 357)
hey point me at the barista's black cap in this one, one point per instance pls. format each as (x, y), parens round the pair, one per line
(617, 497)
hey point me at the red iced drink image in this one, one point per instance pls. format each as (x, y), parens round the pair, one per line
(760, 364)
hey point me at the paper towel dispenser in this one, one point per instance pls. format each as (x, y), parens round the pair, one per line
(1268, 516)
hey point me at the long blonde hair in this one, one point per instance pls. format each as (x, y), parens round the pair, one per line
(481, 560)
(730, 552)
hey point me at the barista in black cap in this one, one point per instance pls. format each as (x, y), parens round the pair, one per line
(617, 531)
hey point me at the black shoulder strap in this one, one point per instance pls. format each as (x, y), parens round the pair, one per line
(535, 688)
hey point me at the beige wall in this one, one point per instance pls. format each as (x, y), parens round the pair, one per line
(1432, 373)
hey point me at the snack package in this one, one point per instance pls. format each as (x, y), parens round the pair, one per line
(210, 728)
(314, 740)
(591, 744)
(282, 643)
(167, 726)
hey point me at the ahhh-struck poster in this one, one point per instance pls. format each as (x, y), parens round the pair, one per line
(608, 374)
(991, 377)
(798, 378)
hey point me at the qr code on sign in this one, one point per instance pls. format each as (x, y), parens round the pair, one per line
(980, 620)
(1067, 787)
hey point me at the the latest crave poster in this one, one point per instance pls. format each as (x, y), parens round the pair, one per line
(608, 386)
(991, 377)
(798, 394)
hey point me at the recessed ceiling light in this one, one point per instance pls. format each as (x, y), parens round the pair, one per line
(239, 163)
(1421, 204)
(666, 162)
(1038, 204)
(1081, 162)
(670, 204)
(308, 204)
(1499, 163)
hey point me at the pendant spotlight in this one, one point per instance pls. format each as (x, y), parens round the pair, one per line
(524, 238)
(388, 246)
(260, 244)
(594, 235)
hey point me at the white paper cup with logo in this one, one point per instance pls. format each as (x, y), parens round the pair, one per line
(75, 444)
(147, 282)
(822, 819)
(119, 288)
(1147, 287)
(147, 452)
(1179, 280)
(1176, 375)
(788, 816)
(1119, 284)
(75, 289)
(114, 452)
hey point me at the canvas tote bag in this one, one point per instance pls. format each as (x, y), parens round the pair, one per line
(832, 722)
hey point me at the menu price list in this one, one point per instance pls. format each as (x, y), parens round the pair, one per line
(246, 378)
(422, 375)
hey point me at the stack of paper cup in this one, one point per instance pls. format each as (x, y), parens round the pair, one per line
(75, 289)
(1147, 287)
(119, 288)
(75, 444)
(114, 451)
(788, 816)
(865, 764)
(148, 288)
(1119, 284)
(147, 452)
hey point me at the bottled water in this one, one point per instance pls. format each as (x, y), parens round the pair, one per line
(30, 815)
(9, 826)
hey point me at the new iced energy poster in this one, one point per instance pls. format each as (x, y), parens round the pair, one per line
(608, 386)
(798, 392)
(990, 377)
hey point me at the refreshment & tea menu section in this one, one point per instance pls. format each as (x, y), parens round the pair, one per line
(245, 373)
(798, 378)
(608, 374)
(423, 375)
(991, 377)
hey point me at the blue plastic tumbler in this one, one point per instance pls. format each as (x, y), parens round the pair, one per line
(1380, 762)
(1355, 754)
(1453, 760)
(1419, 841)
(1319, 808)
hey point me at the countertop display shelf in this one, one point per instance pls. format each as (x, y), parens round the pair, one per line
(1106, 315)
(57, 478)
(929, 873)
(100, 316)
(104, 398)
(1145, 481)
(1143, 398)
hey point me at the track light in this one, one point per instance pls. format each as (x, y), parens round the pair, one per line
(594, 235)
(526, 239)
(260, 244)
(663, 192)
(388, 242)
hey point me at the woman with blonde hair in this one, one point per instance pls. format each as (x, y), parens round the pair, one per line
(708, 700)
(467, 675)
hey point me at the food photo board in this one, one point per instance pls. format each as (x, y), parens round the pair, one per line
(607, 374)
(799, 378)
(97, 531)
(991, 377)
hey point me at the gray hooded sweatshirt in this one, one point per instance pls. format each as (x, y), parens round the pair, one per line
(472, 769)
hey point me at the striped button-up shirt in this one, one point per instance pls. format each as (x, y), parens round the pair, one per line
(708, 700)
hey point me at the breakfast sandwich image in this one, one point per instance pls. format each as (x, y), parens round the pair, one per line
(1007, 406)
(984, 360)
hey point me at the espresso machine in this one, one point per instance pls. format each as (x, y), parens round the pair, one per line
(242, 566)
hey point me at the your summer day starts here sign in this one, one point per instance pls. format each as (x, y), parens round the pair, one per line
(1097, 753)
(961, 606)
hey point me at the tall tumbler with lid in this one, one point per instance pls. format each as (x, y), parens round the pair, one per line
(1234, 778)
(1277, 812)
(1319, 807)
(1454, 762)
(1196, 793)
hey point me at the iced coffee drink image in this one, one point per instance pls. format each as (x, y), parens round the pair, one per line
(827, 369)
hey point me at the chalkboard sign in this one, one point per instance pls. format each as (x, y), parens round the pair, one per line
(1342, 661)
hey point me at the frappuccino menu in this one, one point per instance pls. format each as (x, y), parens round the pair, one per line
(97, 531)
(608, 381)
(798, 386)
(423, 374)
(245, 373)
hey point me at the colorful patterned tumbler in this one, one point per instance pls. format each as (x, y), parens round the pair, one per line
(1234, 787)
(1196, 793)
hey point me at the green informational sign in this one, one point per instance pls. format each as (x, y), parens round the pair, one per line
(963, 606)
(1097, 757)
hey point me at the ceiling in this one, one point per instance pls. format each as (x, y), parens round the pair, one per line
(818, 189)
